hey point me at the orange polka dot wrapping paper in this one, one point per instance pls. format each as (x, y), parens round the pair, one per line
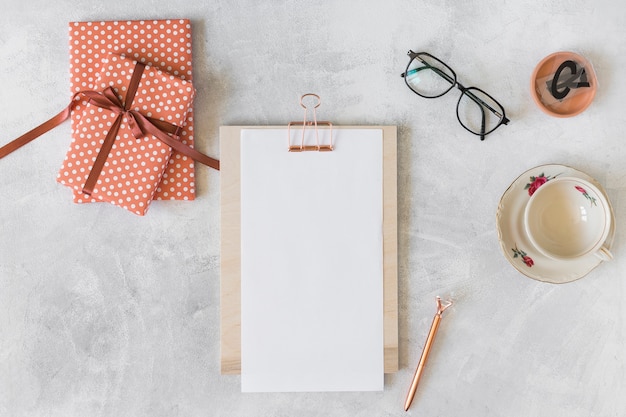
(163, 44)
(134, 167)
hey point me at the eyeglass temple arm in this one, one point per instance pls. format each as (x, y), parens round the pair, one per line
(483, 122)
(426, 66)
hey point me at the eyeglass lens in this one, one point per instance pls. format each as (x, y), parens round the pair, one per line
(478, 112)
(429, 77)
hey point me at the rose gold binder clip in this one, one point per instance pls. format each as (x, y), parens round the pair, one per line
(315, 123)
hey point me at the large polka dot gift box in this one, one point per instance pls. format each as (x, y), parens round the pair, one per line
(163, 44)
(133, 168)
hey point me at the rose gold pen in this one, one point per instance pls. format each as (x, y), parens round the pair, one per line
(429, 342)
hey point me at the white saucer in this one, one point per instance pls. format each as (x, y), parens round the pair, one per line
(515, 244)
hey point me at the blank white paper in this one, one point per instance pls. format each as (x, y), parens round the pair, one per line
(312, 263)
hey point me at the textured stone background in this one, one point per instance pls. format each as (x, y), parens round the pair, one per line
(103, 313)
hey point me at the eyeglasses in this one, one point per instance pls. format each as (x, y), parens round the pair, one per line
(428, 77)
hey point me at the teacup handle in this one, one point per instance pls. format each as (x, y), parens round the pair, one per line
(604, 254)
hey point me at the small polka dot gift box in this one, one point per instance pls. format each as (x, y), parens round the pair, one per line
(163, 44)
(119, 156)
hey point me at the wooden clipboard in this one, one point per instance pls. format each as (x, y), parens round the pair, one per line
(230, 276)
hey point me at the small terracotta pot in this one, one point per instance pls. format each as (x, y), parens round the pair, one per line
(576, 84)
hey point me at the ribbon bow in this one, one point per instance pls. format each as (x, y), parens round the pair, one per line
(139, 124)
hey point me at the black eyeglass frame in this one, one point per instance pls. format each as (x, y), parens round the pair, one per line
(464, 91)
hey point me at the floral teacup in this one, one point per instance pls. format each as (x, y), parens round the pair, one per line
(567, 218)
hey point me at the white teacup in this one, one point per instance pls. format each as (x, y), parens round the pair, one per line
(567, 218)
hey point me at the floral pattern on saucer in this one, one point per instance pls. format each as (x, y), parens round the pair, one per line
(528, 261)
(514, 242)
(537, 181)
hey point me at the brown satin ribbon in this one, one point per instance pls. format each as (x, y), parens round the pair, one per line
(139, 124)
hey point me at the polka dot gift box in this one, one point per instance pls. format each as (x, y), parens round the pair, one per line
(131, 113)
(163, 44)
(110, 157)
